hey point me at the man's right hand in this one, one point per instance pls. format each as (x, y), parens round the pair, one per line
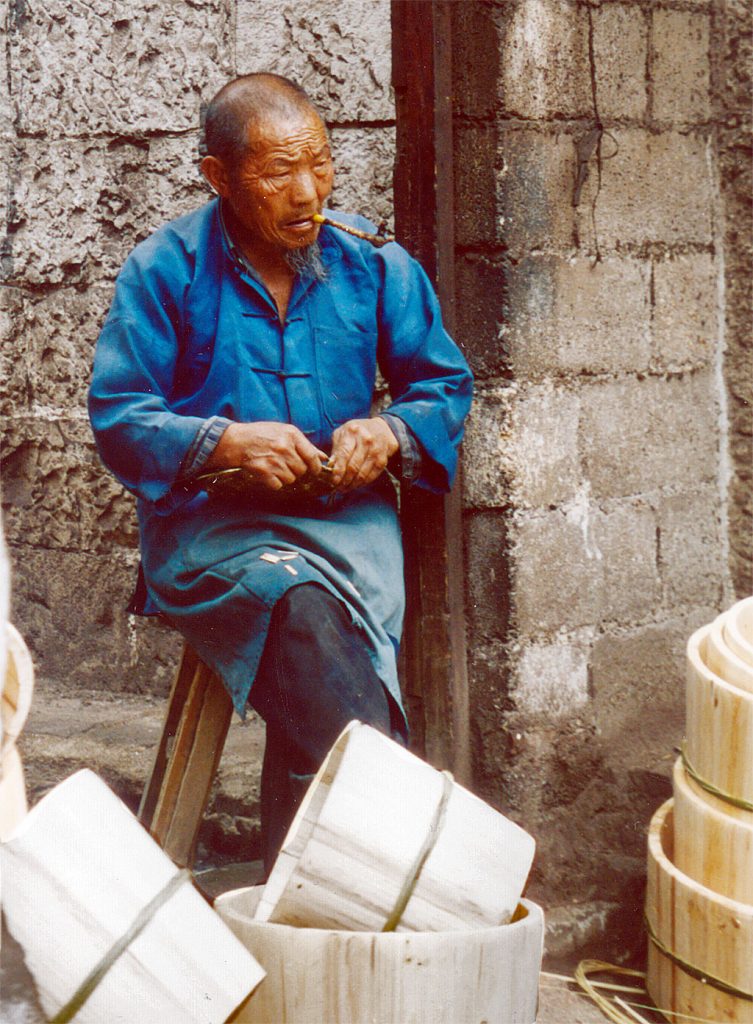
(274, 454)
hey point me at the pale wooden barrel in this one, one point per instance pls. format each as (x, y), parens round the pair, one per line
(707, 932)
(738, 629)
(77, 872)
(17, 691)
(719, 725)
(713, 839)
(461, 977)
(723, 661)
(360, 832)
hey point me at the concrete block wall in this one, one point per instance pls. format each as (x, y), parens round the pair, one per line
(100, 107)
(595, 481)
(732, 113)
(598, 287)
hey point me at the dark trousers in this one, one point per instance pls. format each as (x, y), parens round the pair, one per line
(315, 676)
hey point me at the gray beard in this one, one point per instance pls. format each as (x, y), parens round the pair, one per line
(307, 262)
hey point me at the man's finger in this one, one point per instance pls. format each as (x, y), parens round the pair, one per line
(313, 457)
(343, 447)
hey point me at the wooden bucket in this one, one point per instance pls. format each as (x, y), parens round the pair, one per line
(18, 688)
(461, 977)
(713, 840)
(77, 873)
(381, 837)
(738, 629)
(723, 661)
(719, 725)
(698, 935)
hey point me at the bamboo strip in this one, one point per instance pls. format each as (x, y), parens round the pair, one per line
(719, 725)
(461, 977)
(708, 933)
(713, 839)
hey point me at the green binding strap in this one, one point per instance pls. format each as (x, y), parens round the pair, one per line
(423, 854)
(735, 801)
(90, 982)
(695, 972)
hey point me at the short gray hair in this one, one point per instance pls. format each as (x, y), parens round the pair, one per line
(242, 104)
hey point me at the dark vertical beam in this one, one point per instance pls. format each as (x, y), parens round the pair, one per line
(434, 655)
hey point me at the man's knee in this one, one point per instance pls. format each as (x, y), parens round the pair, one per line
(310, 608)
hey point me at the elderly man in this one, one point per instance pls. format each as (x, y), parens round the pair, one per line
(246, 335)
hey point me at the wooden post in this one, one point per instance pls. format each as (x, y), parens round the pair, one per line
(434, 652)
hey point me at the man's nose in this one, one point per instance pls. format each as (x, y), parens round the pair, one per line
(303, 188)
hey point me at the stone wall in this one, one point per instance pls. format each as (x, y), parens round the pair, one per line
(598, 271)
(732, 99)
(592, 298)
(99, 136)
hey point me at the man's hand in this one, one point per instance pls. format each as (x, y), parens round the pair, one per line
(360, 452)
(274, 454)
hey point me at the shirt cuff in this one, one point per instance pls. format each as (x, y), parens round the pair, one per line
(202, 446)
(408, 458)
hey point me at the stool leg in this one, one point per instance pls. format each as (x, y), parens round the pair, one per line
(196, 726)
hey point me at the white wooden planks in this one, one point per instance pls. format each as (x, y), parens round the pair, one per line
(318, 975)
(76, 872)
(359, 831)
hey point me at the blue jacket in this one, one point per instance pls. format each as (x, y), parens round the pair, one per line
(191, 337)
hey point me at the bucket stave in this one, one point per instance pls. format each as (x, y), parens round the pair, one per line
(721, 658)
(81, 865)
(370, 815)
(738, 629)
(15, 703)
(719, 725)
(699, 939)
(713, 840)
(459, 977)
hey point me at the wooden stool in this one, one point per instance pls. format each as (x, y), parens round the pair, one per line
(193, 736)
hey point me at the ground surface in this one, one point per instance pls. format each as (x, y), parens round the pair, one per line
(116, 736)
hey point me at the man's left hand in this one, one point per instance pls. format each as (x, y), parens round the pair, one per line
(360, 452)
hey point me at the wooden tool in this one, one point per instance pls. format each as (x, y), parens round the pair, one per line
(490, 974)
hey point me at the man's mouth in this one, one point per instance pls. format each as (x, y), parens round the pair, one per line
(301, 224)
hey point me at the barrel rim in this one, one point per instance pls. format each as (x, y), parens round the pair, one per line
(717, 630)
(663, 861)
(699, 666)
(223, 903)
(734, 615)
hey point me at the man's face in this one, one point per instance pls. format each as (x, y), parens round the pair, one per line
(282, 180)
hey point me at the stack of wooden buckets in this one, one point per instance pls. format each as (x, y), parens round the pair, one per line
(699, 906)
(396, 897)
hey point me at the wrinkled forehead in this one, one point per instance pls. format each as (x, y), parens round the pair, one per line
(292, 133)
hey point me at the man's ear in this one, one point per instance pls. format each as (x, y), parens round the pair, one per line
(214, 171)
